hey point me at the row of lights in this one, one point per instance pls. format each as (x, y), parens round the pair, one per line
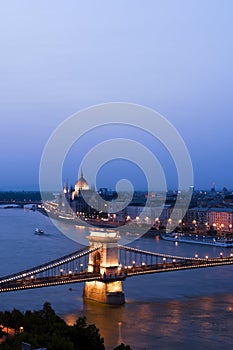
(46, 267)
(38, 270)
(221, 255)
(156, 254)
(40, 284)
(133, 264)
(70, 272)
(173, 260)
(170, 256)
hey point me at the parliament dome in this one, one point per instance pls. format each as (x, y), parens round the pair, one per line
(81, 184)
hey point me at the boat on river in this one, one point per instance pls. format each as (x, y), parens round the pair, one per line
(197, 239)
(38, 231)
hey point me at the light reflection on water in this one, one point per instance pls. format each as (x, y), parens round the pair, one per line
(182, 310)
(198, 323)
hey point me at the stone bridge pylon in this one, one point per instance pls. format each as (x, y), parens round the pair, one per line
(105, 261)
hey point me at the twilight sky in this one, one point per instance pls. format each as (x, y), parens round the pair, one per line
(58, 57)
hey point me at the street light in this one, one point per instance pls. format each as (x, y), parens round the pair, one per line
(194, 222)
(181, 225)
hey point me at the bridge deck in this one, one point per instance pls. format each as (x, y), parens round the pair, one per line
(73, 268)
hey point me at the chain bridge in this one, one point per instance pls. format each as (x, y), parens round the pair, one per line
(103, 266)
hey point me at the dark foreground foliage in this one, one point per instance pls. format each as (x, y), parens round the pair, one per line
(45, 329)
(122, 347)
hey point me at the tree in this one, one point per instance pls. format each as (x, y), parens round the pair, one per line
(6, 320)
(47, 311)
(45, 329)
(122, 347)
(1, 332)
(86, 337)
(16, 320)
(56, 342)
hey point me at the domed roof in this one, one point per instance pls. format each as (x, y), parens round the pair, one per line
(81, 184)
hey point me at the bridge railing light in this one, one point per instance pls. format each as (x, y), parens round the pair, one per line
(206, 257)
(196, 256)
(221, 254)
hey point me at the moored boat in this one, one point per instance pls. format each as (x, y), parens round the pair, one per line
(197, 239)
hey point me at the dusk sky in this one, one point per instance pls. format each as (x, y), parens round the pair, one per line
(58, 57)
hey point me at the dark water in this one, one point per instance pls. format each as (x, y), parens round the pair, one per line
(177, 310)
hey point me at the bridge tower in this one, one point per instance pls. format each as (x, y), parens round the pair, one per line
(105, 261)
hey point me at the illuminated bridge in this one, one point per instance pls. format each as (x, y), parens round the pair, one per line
(103, 266)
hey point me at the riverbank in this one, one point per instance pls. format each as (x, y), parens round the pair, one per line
(70, 220)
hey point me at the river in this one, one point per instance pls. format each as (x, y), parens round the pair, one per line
(168, 311)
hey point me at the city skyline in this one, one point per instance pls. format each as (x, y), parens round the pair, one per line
(173, 57)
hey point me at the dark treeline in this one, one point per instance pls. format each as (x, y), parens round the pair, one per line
(21, 196)
(44, 328)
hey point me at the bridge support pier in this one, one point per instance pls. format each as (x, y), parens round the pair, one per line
(105, 292)
(105, 261)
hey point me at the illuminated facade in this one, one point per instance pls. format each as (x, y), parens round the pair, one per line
(105, 261)
(73, 198)
(220, 218)
(81, 185)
